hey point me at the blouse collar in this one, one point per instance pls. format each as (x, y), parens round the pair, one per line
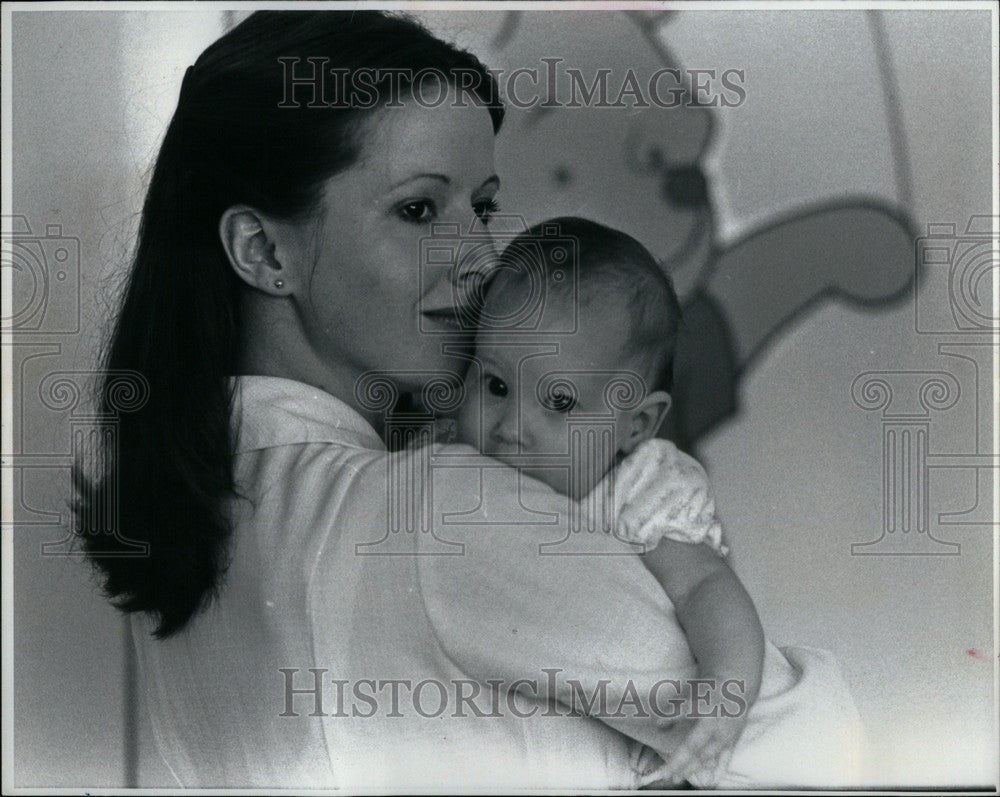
(270, 411)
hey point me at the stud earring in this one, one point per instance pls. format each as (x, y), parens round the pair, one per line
(279, 284)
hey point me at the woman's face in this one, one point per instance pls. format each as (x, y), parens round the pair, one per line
(372, 301)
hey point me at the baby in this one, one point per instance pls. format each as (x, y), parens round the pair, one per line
(597, 388)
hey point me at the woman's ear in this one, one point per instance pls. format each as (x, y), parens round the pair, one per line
(249, 240)
(646, 419)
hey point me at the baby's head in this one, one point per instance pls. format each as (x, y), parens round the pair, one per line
(574, 356)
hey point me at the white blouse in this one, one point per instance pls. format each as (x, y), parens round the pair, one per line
(324, 588)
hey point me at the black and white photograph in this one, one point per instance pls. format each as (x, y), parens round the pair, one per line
(500, 397)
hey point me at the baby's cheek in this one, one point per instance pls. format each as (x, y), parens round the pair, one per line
(551, 432)
(468, 418)
(623, 425)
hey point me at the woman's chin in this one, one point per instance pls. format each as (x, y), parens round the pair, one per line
(413, 367)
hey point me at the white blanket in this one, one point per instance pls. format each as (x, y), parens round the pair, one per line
(803, 731)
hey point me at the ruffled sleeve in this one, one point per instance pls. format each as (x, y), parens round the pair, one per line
(663, 492)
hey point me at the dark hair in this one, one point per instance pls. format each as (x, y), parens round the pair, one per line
(607, 261)
(179, 324)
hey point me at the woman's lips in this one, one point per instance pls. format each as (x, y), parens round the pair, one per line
(450, 319)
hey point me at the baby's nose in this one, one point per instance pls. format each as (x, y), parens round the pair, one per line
(506, 433)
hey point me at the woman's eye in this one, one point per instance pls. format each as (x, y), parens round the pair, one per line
(496, 386)
(560, 401)
(485, 209)
(419, 211)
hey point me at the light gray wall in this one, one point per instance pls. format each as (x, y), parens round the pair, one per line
(798, 473)
(85, 103)
(67, 642)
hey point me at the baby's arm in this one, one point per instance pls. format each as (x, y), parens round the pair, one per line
(667, 505)
(715, 611)
(727, 641)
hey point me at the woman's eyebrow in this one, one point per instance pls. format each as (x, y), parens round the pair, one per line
(492, 181)
(423, 175)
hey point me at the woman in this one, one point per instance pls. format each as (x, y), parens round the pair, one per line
(278, 245)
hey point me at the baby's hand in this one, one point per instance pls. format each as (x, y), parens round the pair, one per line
(702, 748)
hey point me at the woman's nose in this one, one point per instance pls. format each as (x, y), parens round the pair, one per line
(477, 261)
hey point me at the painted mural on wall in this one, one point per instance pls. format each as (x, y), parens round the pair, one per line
(645, 171)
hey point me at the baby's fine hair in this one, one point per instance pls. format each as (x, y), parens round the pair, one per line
(608, 261)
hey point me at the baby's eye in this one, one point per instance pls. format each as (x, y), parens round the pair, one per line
(485, 210)
(559, 400)
(496, 386)
(419, 211)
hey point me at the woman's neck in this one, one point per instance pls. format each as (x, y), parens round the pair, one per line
(276, 345)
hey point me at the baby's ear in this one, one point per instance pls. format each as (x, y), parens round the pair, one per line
(646, 419)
